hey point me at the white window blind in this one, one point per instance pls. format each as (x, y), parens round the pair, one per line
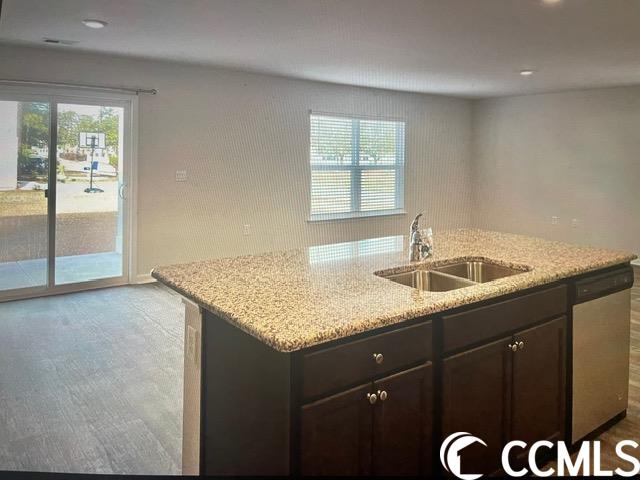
(357, 167)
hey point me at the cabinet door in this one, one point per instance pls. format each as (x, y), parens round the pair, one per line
(476, 387)
(336, 434)
(403, 423)
(539, 383)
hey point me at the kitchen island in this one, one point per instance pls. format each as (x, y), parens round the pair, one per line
(324, 361)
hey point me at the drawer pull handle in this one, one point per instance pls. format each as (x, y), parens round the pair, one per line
(520, 345)
(382, 395)
(513, 347)
(372, 397)
(378, 358)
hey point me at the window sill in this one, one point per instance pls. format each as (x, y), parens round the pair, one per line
(331, 217)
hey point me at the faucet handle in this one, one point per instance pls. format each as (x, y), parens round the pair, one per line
(414, 224)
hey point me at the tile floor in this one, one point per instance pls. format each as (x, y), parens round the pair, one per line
(91, 382)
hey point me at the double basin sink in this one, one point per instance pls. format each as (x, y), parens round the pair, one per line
(452, 276)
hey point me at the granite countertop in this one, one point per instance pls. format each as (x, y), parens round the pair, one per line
(299, 298)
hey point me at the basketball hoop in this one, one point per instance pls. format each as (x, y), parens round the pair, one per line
(92, 140)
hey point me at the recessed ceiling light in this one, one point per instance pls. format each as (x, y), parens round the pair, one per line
(551, 2)
(92, 23)
(527, 72)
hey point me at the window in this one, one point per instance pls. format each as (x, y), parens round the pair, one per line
(357, 167)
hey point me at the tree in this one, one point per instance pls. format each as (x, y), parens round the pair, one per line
(34, 125)
(70, 124)
(86, 123)
(34, 132)
(33, 119)
(331, 139)
(68, 129)
(378, 140)
(109, 123)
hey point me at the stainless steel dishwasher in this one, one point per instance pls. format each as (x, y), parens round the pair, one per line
(600, 344)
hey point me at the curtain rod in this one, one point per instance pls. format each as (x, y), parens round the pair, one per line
(137, 91)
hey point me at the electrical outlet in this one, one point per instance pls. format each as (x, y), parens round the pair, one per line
(575, 223)
(181, 175)
(555, 220)
(246, 229)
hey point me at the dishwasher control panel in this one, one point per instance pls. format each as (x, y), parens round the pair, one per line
(603, 284)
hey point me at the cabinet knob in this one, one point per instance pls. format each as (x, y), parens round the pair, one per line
(520, 345)
(378, 358)
(372, 397)
(382, 395)
(513, 347)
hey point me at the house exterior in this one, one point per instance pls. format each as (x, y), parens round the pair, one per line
(8, 145)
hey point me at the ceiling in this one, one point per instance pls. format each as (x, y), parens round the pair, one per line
(469, 48)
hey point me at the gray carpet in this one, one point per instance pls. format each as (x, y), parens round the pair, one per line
(91, 382)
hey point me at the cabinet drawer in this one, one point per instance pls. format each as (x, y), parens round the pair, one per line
(472, 326)
(347, 364)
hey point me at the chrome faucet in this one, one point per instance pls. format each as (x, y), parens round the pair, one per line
(419, 249)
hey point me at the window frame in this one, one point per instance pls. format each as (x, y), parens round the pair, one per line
(356, 179)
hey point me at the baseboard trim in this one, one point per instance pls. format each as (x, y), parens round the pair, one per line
(144, 278)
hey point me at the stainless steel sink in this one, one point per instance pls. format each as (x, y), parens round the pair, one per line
(453, 276)
(478, 271)
(428, 280)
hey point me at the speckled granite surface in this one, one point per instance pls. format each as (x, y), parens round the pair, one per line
(299, 298)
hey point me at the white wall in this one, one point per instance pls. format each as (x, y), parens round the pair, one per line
(243, 139)
(570, 155)
(8, 145)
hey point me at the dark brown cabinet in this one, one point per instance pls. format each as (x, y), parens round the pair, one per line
(510, 389)
(539, 383)
(476, 398)
(382, 428)
(336, 434)
(381, 402)
(403, 423)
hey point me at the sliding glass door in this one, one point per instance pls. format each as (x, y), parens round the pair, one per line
(24, 176)
(63, 216)
(89, 200)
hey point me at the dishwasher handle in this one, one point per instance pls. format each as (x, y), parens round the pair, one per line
(604, 284)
